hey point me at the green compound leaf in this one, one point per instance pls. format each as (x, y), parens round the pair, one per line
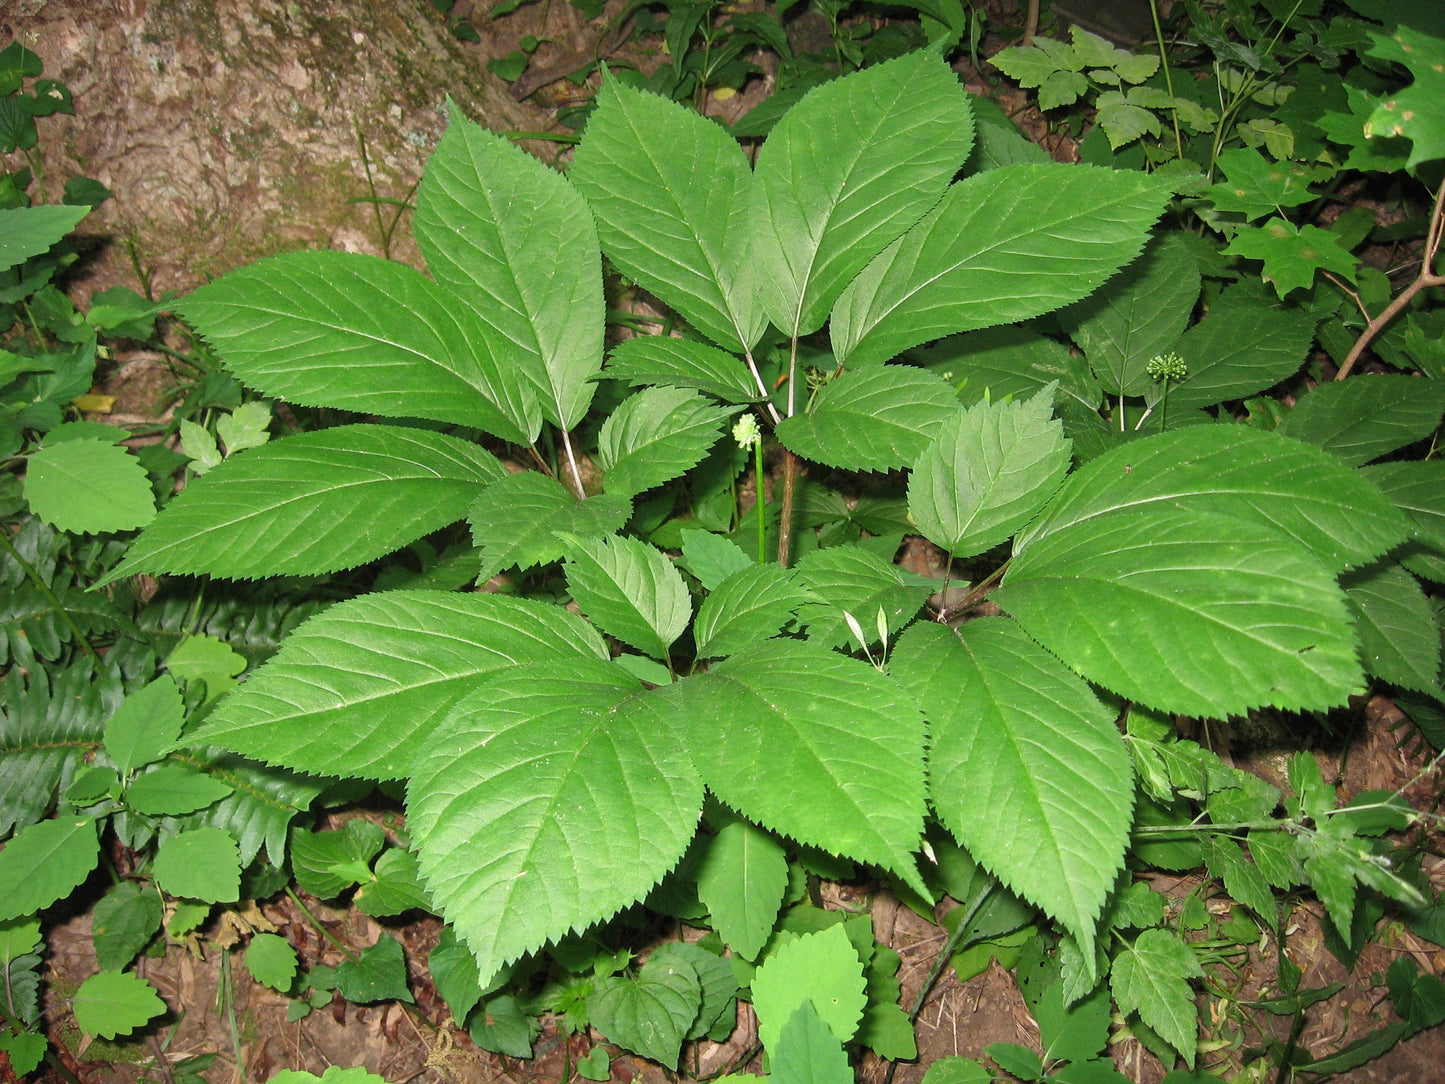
(173, 790)
(986, 474)
(874, 418)
(807, 1051)
(515, 521)
(1368, 416)
(1025, 767)
(854, 581)
(1399, 638)
(741, 878)
(1292, 254)
(354, 690)
(1418, 111)
(271, 961)
(1243, 347)
(516, 244)
(115, 1003)
(1241, 473)
(549, 799)
(146, 725)
(670, 191)
(1136, 315)
(314, 503)
(750, 605)
(822, 968)
(1254, 186)
(1187, 611)
(849, 742)
(359, 333)
(46, 862)
(1151, 977)
(846, 171)
(29, 231)
(1061, 229)
(89, 486)
(631, 590)
(1417, 488)
(682, 363)
(649, 1014)
(655, 436)
(201, 864)
(1242, 879)
(377, 974)
(125, 919)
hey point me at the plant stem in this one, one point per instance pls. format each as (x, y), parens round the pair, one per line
(335, 941)
(572, 464)
(760, 504)
(785, 510)
(44, 588)
(1168, 75)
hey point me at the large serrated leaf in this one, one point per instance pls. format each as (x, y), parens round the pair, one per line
(819, 747)
(343, 330)
(846, 579)
(1150, 977)
(986, 474)
(670, 192)
(546, 801)
(752, 604)
(845, 172)
(29, 231)
(1026, 767)
(353, 690)
(875, 418)
(515, 242)
(516, 519)
(655, 436)
(682, 363)
(1001, 247)
(1243, 347)
(1399, 638)
(1240, 472)
(1363, 418)
(631, 590)
(1187, 611)
(1418, 490)
(313, 503)
(820, 968)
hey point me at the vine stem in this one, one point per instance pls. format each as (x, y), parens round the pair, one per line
(1426, 278)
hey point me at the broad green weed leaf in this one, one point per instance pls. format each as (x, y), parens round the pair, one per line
(546, 801)
(29, 231)
(650, 1014)
(1244, 346)
(1136, 315)
(326, 864)
(752, 604)
(172, 790)
(1292, 254)
(515, 521)
(957, 1070)
(682, 363)
(986, 474)
(1417, 488)
(125, 920)
(712, 558)
(503, 1028)
(396, 887)
(1187, 611)
(271, 961)
(1242, 879)
(25, 1049)
(848, 742)
(1254, 186)
(1418, 111)
(670, 192)
(850, 580)
(848, 170)
(1367, 416)
(360, 333)
(377, 974)
(355, 689)
(313, 503)
(741, 878)
(146, 725)
(1063, 230)
(1151, 977)
(88, 486)
(654, 436)
(1399, 639)
(631, 590)
(875, 418)
(1002, 362)
(115, 1003)
(719, 986)
(46, 862)
(201, 864)
(1242, 473)
(207, 660)
(822, 968)
(516, 244)
(807, 1051)
(453, 969)
(1025, 766)
(333, 1075)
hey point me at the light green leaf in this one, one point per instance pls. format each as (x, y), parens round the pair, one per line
(201, 864)
(271, 961)
(1242, 473)
(25, 1049)
(354, 690)
(1026, 768)
(1002, 362)
(1150, 977)
(1187, 611)
(115, 1003)
(670, 191)
(822, 968)
(987, 472)
(1418, 111)
(1367, 416)
(549, 799)
(874, 418)
(1000, 247)
(313, 503)
(516, 244)
(207, 659)
(44, 863)
(1417, 488)
(957, 1070)
(1137, 315)
(172, 790)
(453, 969)
(377, 974)
(1123, 120)
(851, 580)
(502, 1027)
(88, 486)
(245, 427)
(631, 590)
(29, 231)
(146, 724)
(1399, 638)
(649, 1014)
(334, 1075)
(515, 521)
(1241, 348)
(752, 604)
(338, 329)
(654, 436)
(741, 878)
(848, 170)
(846, 739)
(807, 1051)
(682, 363)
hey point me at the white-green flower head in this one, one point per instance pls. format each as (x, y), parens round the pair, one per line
(746, 432)
(1168, 366)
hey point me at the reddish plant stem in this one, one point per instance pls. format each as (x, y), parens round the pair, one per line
(785, 510)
